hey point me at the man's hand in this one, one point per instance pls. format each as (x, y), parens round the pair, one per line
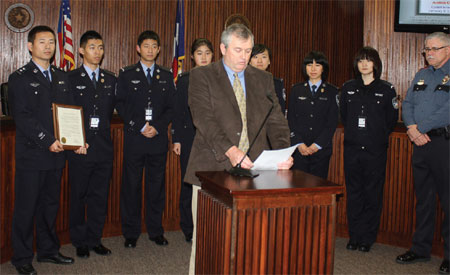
(416, 136)
(82, 150)
(149, 131)
(285, 165)
(303, 149)
(235, 155)
(312, 149)
(56, 147)
(177, 148)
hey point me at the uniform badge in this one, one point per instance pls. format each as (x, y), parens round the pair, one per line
(377, 94)
(101, 74)
(138, 70)
(445, 79)
(61, 82)
(157, 70)
(157, 76)
(350, 92)
(35, 70)
(395, 103)
(102, 80)
(306, 84)
(421, 82)
(34, 84)
(135, 81)
(302, 97)
(83, 74)
(322, 90)
(81, 87)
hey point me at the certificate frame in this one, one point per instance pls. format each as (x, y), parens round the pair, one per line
(70, 136)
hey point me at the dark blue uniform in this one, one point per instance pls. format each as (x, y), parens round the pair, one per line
(134, 96)
(183, 133)
(281, 93)
(369, 114)
(90, 174)
(38, 171)
(313, 119)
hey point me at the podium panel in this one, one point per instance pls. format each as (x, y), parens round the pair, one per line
(280, 222)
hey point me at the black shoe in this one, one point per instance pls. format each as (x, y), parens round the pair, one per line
(410, 257)
(29, 269)
(443, 269)
(188, 237)
(159, 240)
(83, 252)
(363, 247)
(56, 259)
(352, 245)
(101, 250)
(130, 243)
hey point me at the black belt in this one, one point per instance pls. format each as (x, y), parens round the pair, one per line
(438, 132)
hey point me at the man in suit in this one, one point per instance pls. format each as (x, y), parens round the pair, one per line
(39, 155)
(89, 175)
(145, 94)
(228, 101)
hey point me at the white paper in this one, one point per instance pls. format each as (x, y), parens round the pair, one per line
(269, 159)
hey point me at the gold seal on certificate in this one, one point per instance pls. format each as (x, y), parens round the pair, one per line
(69, 126)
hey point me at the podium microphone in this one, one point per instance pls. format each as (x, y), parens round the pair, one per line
(238, 170)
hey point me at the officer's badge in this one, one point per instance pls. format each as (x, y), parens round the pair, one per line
(421, 82)
(445, 79)
(322, 90)
(135, 81)
(138, 70)
(83, 74)
(102, 80)
(395, 103)
(35, 71)
(81, 87)
(34, 84)
(157, 76)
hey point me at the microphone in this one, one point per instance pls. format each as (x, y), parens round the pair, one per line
(238, 170)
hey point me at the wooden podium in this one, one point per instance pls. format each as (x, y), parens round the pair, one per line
(278, 222)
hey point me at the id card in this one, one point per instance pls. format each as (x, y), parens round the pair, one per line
(362, 122)
(149, 114)
(94, 122)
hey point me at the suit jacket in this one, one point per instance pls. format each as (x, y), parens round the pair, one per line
(31, 98)
(218, 121)
(102, 99)
(134, 94)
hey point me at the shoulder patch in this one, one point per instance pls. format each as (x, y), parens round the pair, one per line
(127, 68)
(108, 72)
(348, 82)
(164, 69)
(299, 84)
(54, 68)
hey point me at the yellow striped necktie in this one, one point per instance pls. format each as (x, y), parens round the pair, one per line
(240, 97)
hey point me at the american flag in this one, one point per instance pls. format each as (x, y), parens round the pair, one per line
(64, 57)
(178, 41)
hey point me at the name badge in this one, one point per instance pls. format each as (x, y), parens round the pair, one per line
(149, 114)
(361, 122)
(94, 121)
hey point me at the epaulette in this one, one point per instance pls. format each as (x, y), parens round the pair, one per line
(54, 68)
(164, 69)
(278, 79)
(127, 68)
(183, 74)
(300, 84)
(21, 70)
(387, 83)
(331, 85)
(108, 72)
(348, 82)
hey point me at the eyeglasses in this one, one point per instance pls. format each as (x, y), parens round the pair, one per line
(434, 49)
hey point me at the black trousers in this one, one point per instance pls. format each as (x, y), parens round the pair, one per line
(36, 201)
(431, 177)
(186, 223)
(89, 188)
(131, 194)
(365, 173)
(316, 164)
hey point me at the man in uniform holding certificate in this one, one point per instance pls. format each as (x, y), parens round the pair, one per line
(39, 155)
(94, 90)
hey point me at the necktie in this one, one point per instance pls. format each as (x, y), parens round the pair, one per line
(47, 76)
(240, 97)
(149, 76)
(94, 80)
(313, 89)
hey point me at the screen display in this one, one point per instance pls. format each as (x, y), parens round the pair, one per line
(422, 15)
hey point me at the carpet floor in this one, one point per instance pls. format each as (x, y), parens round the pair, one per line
(148, 258)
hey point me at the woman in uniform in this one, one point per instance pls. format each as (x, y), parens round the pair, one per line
(369, 112)
(313, 116)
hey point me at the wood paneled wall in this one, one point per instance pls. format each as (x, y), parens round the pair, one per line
(289, 28)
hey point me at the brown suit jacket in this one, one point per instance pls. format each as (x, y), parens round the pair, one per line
(216, 116)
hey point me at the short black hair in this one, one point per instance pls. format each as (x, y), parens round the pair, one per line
(370, 54)
(200, 42)
(321, 59)
(148, 35)
(38, 29)
(89, 35)
(260, 48)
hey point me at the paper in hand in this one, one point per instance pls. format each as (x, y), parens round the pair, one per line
(269, 159)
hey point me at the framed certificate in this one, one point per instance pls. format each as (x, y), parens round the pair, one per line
(69, 126)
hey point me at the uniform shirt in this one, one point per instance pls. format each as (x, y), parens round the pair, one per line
(427, 100)
(376, 105)
(313, 118)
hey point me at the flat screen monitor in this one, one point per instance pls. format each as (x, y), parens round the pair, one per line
(422, 16)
